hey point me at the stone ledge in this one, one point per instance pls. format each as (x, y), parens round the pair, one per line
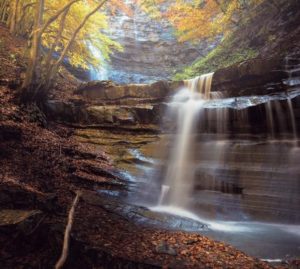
(108, 90)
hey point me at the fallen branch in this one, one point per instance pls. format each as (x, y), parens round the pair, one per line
(65, 249)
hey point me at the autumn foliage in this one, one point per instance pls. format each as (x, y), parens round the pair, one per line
(198, 19)
(59, 31)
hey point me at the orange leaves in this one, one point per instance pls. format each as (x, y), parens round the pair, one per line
(193, 21)
(115, 5)
(198, 19)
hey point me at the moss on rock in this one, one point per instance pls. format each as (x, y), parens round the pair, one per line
(224, 55)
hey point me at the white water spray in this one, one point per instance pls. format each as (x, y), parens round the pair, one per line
(164, 191)
(100, 72)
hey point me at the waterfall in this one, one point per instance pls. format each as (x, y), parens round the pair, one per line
(212, 151)
(229, 162)
(164, 191)
(180, 172)
(100, 72)
(292, 116)
(270, 119)
(200, 84)
(282, 118)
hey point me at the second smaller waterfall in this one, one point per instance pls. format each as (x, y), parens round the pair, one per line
(200, 85)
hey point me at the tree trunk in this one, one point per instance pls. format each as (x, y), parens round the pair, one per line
(14, 16)
(30, 84)
(50, 76)
(32, 69)
(3, 10)
(56, 42)
(56, 15)
(21, 23)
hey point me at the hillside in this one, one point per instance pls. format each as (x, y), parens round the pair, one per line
(271, 29)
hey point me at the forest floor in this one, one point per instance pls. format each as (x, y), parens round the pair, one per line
(41, 169)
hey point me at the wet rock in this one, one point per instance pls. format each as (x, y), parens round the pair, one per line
(164, 248)
(109, 105)
(141, 215)
(252, 77)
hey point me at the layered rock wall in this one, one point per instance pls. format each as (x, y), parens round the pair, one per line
(151, 50)
(260, 80)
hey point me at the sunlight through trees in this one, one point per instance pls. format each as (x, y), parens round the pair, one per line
(58, 31)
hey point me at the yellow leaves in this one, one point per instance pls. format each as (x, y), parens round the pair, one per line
(80, 54)
(196, 19)
(152, 7)
(192, 21)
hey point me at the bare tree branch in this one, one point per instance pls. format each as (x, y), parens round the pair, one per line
(65, 250)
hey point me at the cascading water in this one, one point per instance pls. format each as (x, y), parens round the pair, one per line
(283, 119)
(180, 173)
(100, 72)
(232, 165)
(270, 119)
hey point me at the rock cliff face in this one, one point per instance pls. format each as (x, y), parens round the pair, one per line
(151, 51)
(107, 102)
